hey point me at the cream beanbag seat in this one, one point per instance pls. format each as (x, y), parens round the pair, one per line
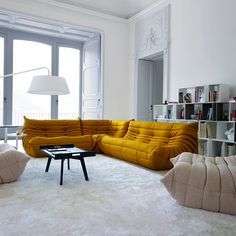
(203, 182)
(12, 163)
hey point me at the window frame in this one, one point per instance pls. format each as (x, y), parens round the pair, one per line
(9, 36)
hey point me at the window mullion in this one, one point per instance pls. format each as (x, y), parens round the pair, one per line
(54, 98)
(8, 81)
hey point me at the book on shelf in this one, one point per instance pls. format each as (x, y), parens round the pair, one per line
(203, 130)
(202, 148)
(181, 97)
(224, 150)
(231, 149)
(210, 113)
(211, 130)
(212, 96)
(198, 95)
(181, 114)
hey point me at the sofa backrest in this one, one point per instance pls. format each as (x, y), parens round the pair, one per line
(116, 128)
(52, 128)
(165, 133)
(90, 127)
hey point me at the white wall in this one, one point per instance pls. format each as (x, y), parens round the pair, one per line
(202, 47)
(116, 83)
(202, 44)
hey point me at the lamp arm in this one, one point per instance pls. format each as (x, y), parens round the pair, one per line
(25, 71)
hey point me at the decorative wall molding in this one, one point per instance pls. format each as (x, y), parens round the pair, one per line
(151, 40)
(83, 10)
(152, 34)
(158, 5)
(17, 21)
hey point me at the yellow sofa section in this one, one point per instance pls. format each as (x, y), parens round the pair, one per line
(42, 132)
(152, 144)
(100, 128)
(149, 144)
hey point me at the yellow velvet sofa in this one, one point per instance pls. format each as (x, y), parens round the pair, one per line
(81, 133)
(150, 144)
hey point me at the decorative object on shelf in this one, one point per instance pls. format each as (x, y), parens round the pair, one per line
(188, 98)
(230, 134)
(193, 116)
(225, 115)
(233, 115)
(181, 98)
(181, 116)
(232, 99)
(169, 114)
(199, 115)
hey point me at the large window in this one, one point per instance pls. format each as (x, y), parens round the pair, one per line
(1, 79)
(29, 55)
(26, 51)
(69, 67)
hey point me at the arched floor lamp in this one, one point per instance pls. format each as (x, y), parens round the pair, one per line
(44, 84)
(41, 85)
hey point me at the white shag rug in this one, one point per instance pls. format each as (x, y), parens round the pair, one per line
(120, 199)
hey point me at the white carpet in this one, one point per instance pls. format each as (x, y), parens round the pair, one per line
(120, 199)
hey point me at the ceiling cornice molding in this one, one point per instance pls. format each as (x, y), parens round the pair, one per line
(84, 11)
(25, 22)
(154, 7)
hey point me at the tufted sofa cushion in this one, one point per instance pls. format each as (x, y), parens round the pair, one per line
(203, 182)
(52, 128)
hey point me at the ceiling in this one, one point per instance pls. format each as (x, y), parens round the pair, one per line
(120, 8)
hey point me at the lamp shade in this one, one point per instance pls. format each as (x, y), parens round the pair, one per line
(48, 85)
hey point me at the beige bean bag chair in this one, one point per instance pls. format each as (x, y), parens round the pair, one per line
(203, 182)
(12, 163)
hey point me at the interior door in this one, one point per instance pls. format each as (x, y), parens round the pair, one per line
(91, 80)
(145, 80)
(150, 88)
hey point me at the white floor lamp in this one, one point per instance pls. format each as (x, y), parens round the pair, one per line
(44, 84)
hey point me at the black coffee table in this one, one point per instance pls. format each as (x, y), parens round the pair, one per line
(63, 152)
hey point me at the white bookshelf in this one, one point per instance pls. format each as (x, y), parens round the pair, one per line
(215, 115)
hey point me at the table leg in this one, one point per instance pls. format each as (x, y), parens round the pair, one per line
(84, 168)
(68, 163)
(48, 164)
(62, 166)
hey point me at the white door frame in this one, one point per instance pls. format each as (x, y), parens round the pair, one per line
(165, 79)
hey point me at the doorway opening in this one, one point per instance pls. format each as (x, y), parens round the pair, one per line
(150, 85)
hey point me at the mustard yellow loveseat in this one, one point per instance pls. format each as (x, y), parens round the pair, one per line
(150, 144)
